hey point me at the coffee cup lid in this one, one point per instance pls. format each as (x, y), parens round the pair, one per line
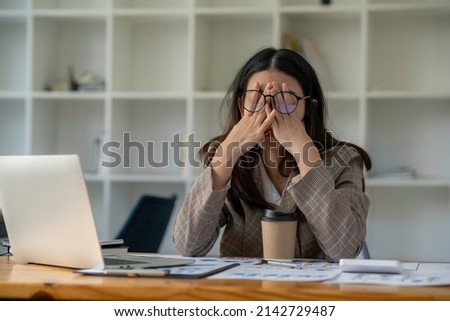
(277, 216)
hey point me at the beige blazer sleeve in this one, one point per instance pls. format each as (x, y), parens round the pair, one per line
(334, 205)
(198, 223)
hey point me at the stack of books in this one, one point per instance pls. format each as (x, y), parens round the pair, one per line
(113, 247)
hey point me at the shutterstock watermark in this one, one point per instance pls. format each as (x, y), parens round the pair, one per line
(182, 153)
(119, 153)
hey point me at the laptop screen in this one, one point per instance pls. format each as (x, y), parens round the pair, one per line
(47, 211)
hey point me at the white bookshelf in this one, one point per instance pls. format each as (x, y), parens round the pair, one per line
(167, 64)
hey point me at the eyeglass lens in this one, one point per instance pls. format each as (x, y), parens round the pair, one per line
(284, 102)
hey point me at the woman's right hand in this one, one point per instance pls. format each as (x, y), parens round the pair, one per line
(248, 132)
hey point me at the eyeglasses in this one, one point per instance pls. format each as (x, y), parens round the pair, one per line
(284, 102)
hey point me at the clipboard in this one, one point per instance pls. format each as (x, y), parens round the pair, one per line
(191, 271)
(199, 270)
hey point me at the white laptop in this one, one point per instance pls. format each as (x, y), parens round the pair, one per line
(48, 216)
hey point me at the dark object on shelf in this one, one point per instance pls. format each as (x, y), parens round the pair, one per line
(147, 223)
(72, 79)
(326, 2)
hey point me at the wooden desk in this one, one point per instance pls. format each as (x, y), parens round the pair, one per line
(37, 282)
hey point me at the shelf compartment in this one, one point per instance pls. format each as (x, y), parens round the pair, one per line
(404, 224)
(70, 4)
(145, 130)
(154, 4)
(208, 123)
(124, 197)
(71, 41)
(13, 62)
(13, 4)
(69, 127)
(149, 54)
(420, 143)
(405, 4)
(344, 120)
(331, 44)
(12, 127)
(215, 64)
(150, 95)
(398, 61)
(209, 120)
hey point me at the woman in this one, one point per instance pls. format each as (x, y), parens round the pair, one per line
(276, 154)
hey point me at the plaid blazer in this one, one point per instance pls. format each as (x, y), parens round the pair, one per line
(330, 200)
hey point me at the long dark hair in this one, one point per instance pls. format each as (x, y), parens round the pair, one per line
(243, 188)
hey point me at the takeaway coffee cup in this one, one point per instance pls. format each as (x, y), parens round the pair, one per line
(279, 234)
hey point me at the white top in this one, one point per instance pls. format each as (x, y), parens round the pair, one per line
(271, 194)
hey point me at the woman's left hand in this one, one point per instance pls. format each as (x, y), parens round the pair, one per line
(289, 129)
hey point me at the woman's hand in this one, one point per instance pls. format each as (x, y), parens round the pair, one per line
(245, 134)
(250, 130)
(289, 130)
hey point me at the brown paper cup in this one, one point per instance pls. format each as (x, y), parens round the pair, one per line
(279, 234)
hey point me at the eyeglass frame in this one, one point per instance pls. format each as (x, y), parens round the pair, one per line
(242, 94)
